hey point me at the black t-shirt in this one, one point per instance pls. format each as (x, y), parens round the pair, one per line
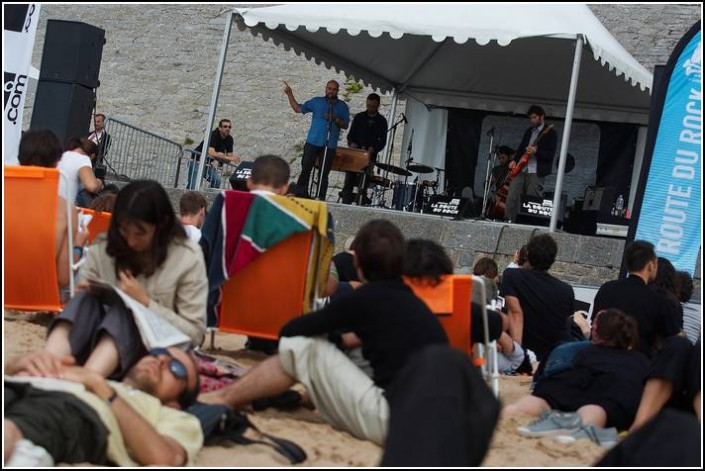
(389, 319)
(344, 265)
(546, 301)
(651, 309)
(368, 131)
(217, 142)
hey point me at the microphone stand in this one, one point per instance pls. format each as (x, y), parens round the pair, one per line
(409, 159)
(491, 159)
(322, 173)
(391, 143)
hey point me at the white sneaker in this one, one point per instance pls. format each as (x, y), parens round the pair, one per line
(28, 455)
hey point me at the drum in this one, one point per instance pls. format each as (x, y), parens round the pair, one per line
(430, 184)
(378, 180)
(404, 194)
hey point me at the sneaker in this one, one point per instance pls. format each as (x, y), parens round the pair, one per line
(28, 455)
(604, 437)
(552, 422)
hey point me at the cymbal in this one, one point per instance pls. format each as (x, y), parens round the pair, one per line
(394, 169)
(418, 168)
(439, 169)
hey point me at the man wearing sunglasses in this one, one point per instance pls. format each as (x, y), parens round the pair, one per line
(76, 415)
(220, 148)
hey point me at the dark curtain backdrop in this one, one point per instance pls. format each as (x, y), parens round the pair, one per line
(615, 161)
(463, 141)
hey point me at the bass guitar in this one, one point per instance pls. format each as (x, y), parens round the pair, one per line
(503, 192)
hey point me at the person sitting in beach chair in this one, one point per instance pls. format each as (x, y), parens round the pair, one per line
(42, 148)
(84, 418)
(146, 254)
(600, 387)
(383, 316)
(427, 262)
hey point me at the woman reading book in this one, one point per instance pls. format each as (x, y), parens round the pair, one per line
(148, 256)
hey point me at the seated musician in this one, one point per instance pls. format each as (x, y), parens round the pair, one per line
(499, 172)
(368, 131)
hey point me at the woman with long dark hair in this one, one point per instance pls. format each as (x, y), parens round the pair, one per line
(146, 254)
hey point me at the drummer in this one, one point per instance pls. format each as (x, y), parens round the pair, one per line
(368, 131)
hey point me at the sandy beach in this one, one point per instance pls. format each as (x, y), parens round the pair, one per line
(326, 446)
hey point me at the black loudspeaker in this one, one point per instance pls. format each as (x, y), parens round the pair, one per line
(65, 108)
(72, 53)
(548, 195)
(533, 211)
(238, 179)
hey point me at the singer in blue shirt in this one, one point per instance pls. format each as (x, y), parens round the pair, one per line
(330, 115)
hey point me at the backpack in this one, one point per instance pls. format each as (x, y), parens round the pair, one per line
(220, 422)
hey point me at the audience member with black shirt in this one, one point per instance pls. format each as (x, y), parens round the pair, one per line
(383, 316)
(220, 148)
(667, 283)
(632, 295)
(538, 304)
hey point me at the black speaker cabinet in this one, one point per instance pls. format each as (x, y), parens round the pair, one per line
(238, 179)
(65, 108)
(72, 53)
(533, 211)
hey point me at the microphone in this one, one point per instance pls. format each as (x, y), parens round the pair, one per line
(491, 132)
(403, 118)
(411, 141)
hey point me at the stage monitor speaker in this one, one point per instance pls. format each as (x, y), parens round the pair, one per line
(238, 179)
(599, 198)
(72, 53)
(548, 195)
(65, 108)
(535, 211)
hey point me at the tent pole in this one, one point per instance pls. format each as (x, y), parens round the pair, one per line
(566, 132)
(214, 97)
(392, 117)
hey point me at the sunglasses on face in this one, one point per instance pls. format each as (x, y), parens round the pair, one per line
(177, 368)
(226, 127)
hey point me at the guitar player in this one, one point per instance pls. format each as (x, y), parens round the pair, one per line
(539, 143)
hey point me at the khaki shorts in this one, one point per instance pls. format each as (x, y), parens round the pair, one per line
(343, 394)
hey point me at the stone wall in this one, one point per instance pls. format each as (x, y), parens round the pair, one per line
(159, 64)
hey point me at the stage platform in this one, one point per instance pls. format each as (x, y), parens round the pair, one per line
(581, 260)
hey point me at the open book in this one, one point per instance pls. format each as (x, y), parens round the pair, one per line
(156, 332)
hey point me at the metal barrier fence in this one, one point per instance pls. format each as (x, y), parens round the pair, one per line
(135, 154)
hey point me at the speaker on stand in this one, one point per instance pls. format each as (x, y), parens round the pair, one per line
(68, 77)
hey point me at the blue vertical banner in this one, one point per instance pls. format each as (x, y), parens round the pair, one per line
(670, 189)
(19, 30)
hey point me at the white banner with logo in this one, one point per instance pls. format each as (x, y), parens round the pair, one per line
(20, 28)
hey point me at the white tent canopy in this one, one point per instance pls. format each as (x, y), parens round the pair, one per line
(492, 57)
(489, 57)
